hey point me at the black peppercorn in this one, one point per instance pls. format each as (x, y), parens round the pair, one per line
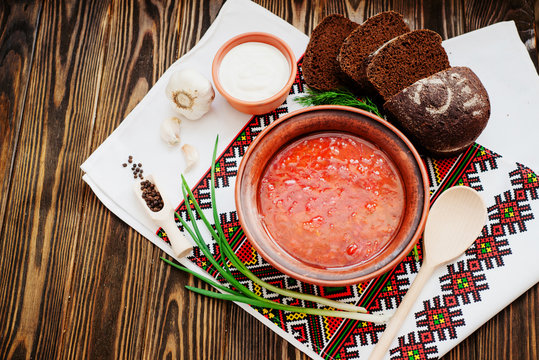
(151, 196)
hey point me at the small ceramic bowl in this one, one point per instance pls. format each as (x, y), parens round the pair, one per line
(339, 119)
(265, 105)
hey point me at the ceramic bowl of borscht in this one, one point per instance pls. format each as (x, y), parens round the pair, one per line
(332, 195)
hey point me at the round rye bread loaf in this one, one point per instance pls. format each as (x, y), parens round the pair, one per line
(320, 67)
(443, 113)
(405, 59)
(364, 40)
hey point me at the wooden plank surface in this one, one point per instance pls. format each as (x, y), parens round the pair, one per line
(18, 27)
(44, 203)
(76, 282)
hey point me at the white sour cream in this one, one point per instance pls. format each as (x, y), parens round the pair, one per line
(253, 71)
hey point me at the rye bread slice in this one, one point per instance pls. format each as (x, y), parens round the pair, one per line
(405, 59)
(444, 113)
(320, 67)
(364, 40)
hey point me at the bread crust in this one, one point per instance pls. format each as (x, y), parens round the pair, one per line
(444, 113)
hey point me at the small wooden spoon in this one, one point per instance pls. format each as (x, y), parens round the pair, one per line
(164, 219)
(454, 222)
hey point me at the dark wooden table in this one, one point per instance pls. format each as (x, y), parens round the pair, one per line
(75, 281)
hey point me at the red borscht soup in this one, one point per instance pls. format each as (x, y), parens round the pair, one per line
(331, 200)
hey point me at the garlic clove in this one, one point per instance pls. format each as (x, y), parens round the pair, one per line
(190, 93)
(170, 130)
(191, 156)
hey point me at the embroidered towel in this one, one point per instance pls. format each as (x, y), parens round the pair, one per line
(460, 297)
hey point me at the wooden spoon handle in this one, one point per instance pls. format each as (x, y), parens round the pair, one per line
(400, 315)
(181, 247)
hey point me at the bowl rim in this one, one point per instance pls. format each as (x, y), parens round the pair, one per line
(246, 37)
(332, 283)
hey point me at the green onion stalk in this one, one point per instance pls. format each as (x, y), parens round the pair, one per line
(238, 292)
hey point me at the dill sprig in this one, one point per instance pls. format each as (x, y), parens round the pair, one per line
(338, 97)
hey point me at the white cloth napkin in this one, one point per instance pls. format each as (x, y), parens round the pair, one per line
(138, 134)
(495, 53)
(500, 59)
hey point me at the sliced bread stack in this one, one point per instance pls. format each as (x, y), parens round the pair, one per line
(443, 109)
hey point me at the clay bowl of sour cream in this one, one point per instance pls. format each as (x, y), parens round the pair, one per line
(254, 72)
(332, 195)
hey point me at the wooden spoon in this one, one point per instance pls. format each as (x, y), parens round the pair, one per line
(454, 222)
(164, 219)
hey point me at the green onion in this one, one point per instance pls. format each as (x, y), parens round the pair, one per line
(415, 252)
(243, 294)
(376, 318)
(197, 275)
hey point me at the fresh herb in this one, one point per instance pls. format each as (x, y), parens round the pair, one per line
(337, 97)
(237, 291)
(416, 253)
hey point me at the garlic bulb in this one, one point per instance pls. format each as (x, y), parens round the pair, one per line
(170, 130)
(191, 156)
(190, 93)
